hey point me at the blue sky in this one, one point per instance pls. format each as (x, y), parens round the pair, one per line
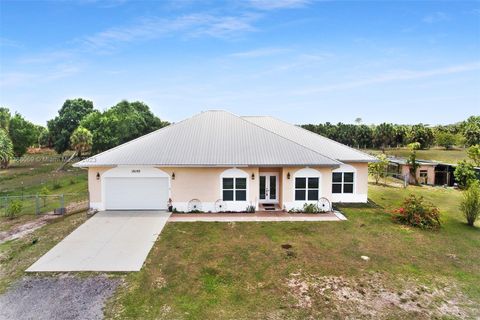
(302, 61)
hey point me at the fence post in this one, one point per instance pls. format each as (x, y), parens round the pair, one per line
(37, 205)
(6, 206)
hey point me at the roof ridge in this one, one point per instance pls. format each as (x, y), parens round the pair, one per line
(301, 145)
(319, 135)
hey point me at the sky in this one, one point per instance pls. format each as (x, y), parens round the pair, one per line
(301, 61)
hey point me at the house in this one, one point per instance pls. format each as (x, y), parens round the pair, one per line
(425, 171)
(217, 161)
(429, 172)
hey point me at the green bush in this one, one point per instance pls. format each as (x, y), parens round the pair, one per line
(311, 208)
(416, 212)
(56, 185)
(470, 204)
(14, 208)
(464, 174)
(250, 209)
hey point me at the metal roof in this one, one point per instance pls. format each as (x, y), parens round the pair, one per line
(311, 140)
(212, 138)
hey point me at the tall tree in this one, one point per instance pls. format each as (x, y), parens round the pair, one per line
(474, 154)
(472, 130)
(6, 149)
(4, 118)
(121, 123)
(23, 134)
(68, 119)
(422, 134)
(81, 140)
(384, 134)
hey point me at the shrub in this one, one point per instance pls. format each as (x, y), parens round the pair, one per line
(464, 174)
(250, 209)
(14, 208)
(416, 212)
(414, 146)
(311, 208)
(56, 185)
(470, 204)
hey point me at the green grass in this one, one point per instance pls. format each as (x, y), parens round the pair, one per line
(18, 255)
(441, 155)
(26, 179)
(239, 270)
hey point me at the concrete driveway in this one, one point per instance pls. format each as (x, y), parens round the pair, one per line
(108, 241)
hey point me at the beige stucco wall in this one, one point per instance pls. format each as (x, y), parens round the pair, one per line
(94, 185)
(204, 183)
(430, 173)
(289, 184)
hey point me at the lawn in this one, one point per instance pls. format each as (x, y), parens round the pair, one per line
(241, 271)
(441, 155)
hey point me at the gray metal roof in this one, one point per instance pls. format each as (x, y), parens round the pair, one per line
(311, 140)
(212, 138)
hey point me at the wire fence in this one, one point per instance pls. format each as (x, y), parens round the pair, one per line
(43, 204)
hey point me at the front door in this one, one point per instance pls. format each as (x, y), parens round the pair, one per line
(268, 188)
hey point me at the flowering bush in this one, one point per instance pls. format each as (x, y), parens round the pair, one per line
(416, 212)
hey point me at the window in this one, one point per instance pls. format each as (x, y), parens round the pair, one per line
(234, 189)
(342, 182)
(306, 189)
(424, 176)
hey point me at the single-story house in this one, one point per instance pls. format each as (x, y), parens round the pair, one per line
(429, 172)
(217, 161)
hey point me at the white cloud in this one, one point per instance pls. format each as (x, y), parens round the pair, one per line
(278, 4)
(436, 17)
(400, 75)
(192, 25)
(4, 42)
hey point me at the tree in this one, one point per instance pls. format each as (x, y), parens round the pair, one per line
(464, 174)
(81, 140)
(471, 130)
(422, 134)
(68, 119)
(358, 120)
(470, 204)
(383, 135)
(474, 154)
(4, 118)
(445, 139)
(23, 134)
(378, 169)
(6, 149)
(44, 139)
(121, 123)
(413, 165)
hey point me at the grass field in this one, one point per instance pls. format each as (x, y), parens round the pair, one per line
(441, 155)
(27, 178)
(241, 271)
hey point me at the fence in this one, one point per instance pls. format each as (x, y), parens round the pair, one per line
(43, 204)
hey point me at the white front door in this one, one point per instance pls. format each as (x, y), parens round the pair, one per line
(268, 187)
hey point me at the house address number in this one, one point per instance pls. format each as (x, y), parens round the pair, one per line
(136, 171)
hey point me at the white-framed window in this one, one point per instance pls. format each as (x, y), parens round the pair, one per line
(234, 189)
(306, 188)
(342, 182)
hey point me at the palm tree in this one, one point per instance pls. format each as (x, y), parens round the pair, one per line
(81, 140)
(6, 149)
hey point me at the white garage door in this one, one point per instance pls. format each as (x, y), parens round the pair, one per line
(136, 193)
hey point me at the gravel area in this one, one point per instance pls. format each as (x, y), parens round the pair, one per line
(59, 297)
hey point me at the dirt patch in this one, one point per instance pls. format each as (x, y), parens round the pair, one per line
(373, 296)
(57, 297)
(21, 230)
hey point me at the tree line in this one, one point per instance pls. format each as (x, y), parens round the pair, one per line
(387, 135)
(78, 126)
